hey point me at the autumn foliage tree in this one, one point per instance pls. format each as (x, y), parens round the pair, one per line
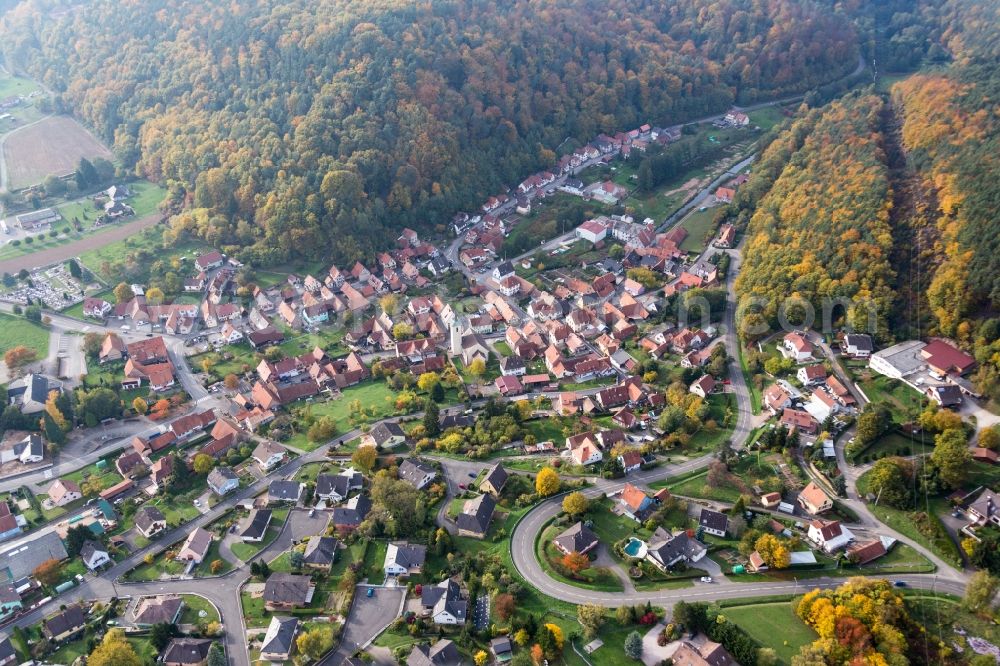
(505, 605)
(575, 504)
(19, 356)
(547, 482)
(48, 572)
(575, 562)
(774, 553)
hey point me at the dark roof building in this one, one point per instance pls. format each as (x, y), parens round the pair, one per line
(320, 552)
(476, 515)
(352, 513)
(186, 651)
(280, 638)
(442, 653)
(281, 490)
(714, 522)
(576, 539)
(255, 526)
(495, 480)
(415, 472)
(287, 590)
(154, 610)
(65, 623)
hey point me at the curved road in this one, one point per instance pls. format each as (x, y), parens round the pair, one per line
(526, 532)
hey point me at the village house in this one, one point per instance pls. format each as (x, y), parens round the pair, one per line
(797, 419)
(714, 522)
(63, 492)
(858, 345)
(94, 555)
(254, 527)
(796, 347)
(187, 652)
(477, 513)
(285, 591)
(320, 553)
(279, 640)
(385, 435)
(814, 500)
(150, 521)
(223, 480)
(634, 503)
(195, 546)
(417, 473)
(576, 539)
(269, 455)
(829, 535)
(444, 603)
(665, 550)
(404, 559)
(495, 480)
(335, 488)
(703, 386)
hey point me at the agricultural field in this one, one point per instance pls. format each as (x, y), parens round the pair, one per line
(52, 146)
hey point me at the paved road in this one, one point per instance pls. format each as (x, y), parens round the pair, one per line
(369, 616)
(524, 537)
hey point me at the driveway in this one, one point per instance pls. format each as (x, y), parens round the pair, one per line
(368, 617)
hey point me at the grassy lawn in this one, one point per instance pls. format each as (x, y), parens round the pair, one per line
(180, 508)
(547, 430)
(15, 85)
(756, 399)
(205, 568)
(923, 526)
(773, 625)
(375, 396)
(611, 528)
(549, 218)
(146, 197)
(697, 486)
(905, 403)
(700, 228)
(69, 652)
(193, 606)
(149, 240)
(108, 476)
(767, 117)
(234, 359)
(16, 331)
(895, 444)
(941, 617)
(374, 562)
(887, 81)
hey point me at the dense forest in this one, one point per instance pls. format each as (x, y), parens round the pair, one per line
(821, 231)
(302, 127)
(951, 132)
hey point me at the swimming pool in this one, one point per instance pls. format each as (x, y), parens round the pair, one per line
(635, 548)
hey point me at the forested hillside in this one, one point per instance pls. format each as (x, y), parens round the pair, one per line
(821, 229)
(951, 131)
(309, 127)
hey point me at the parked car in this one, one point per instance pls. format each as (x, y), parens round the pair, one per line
(706, 579)
(371, 592)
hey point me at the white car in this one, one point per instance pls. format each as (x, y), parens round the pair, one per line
(706, 579)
